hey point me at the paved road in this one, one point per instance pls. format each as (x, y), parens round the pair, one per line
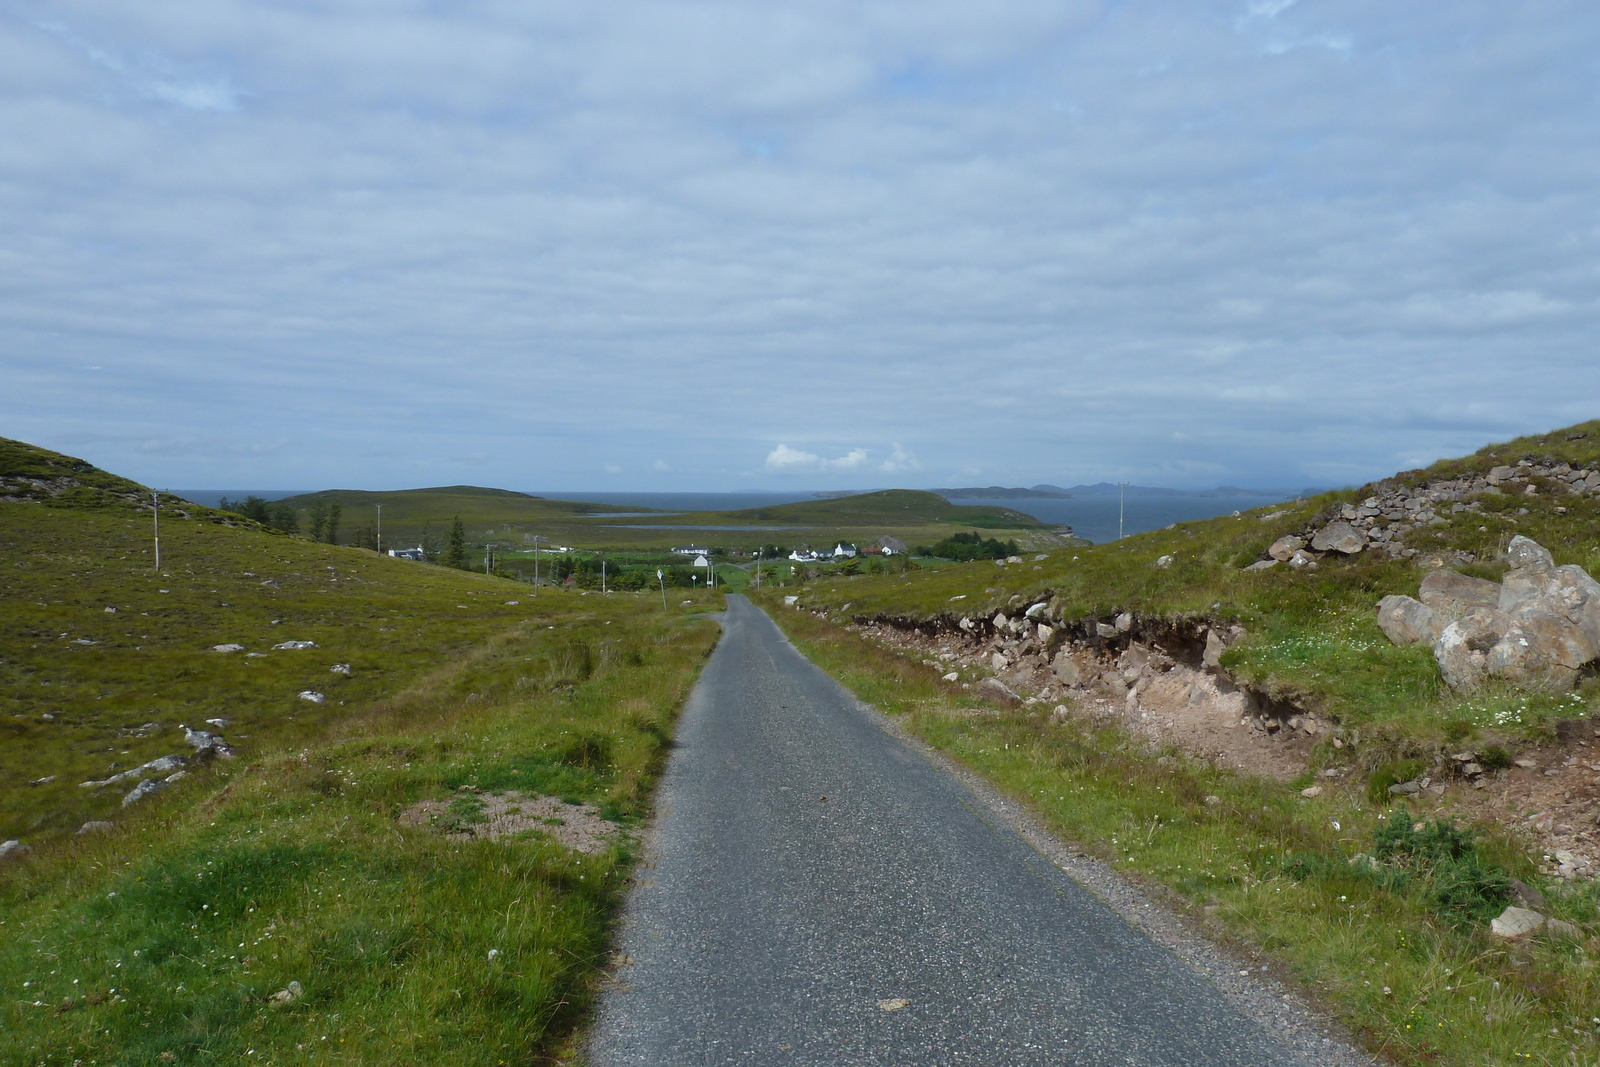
(807, 866)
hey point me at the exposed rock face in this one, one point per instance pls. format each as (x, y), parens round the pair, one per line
(1409, 622)
(1339, 537)
(1538, 629)
(1452, 595)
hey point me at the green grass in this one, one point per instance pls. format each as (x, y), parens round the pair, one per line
(164, 940)
(172, 936)
(1385, 947)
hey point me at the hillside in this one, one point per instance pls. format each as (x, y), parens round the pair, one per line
(889, 508)
(250, 793)
(1215, 709)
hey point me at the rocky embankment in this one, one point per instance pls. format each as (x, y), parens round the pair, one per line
(1158, 679)
(1381, 522)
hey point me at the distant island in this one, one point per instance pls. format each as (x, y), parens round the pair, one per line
(1102, 489)
(1000, 492)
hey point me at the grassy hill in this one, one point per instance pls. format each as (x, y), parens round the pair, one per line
(507, 518)
(162, 935)
(1378, 902)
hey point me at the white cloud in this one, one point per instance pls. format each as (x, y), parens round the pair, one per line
(786, 460)
(900, 461)
(152, 75)
(612, 468)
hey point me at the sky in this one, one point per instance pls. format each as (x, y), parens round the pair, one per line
(662, 245)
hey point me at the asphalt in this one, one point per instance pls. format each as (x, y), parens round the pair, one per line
(808, 871)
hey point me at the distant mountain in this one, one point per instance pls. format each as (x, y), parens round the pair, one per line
(1112, 489)
(999, 492)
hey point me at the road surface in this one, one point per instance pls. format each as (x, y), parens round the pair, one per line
(816, 892)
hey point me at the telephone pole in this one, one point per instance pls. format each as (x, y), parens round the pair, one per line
(380, 528)
(155, 515)
(1122, 488)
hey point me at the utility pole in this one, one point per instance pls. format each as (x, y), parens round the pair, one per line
(603, 578)
(1122, 488)
(662, 578)
(155, 514)
(536, 539)
(380, 528)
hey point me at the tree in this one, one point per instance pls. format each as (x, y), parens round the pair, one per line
(455, 546)
(251, 507)
(284, 516)
(334, 511)
(317, 516)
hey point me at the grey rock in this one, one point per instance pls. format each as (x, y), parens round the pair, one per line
(1451, 595)
(227, 648)
(1525, 895)
(1500, 474)
(1462, 650)
(1069, 668)
(1409, 622)
(11, 850)
(1285, 547)
(996, 690)
(163, 766)
(1105, 630)
(1036, 610)
(1124, 622)
(1526, 552)
(1303, 560)
(144, 789)
(1339, 537)
(1405, 789)
(1262, 565)
(1516, 922)
(99, 826)
(1215, 647)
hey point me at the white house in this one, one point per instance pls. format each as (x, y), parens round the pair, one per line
(407, 553)
(844, 551)
(802, 554)
(701, 561)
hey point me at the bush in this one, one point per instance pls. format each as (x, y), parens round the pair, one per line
(1392, 773)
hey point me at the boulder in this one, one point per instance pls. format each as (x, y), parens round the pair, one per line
(98, 826)
(1516, 922)
(1262, 565)
(1452, 595)
(996, 690)
(1526, 552)
(1215, 647)
(1285, 547)
(1302, 560)
(1339, 537)
(11, 850)
(1124, 622)
(144, 789)
(1409, 622)
(1045, 633)
(1102, 629)
(1462, 650)
(1036, 610)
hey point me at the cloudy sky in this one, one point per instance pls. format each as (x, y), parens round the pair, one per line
(676, 245)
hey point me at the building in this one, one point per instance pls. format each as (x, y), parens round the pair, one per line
(844, 551)
(408, 553)
(691, 550)
(702, 561)
(892, 546)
